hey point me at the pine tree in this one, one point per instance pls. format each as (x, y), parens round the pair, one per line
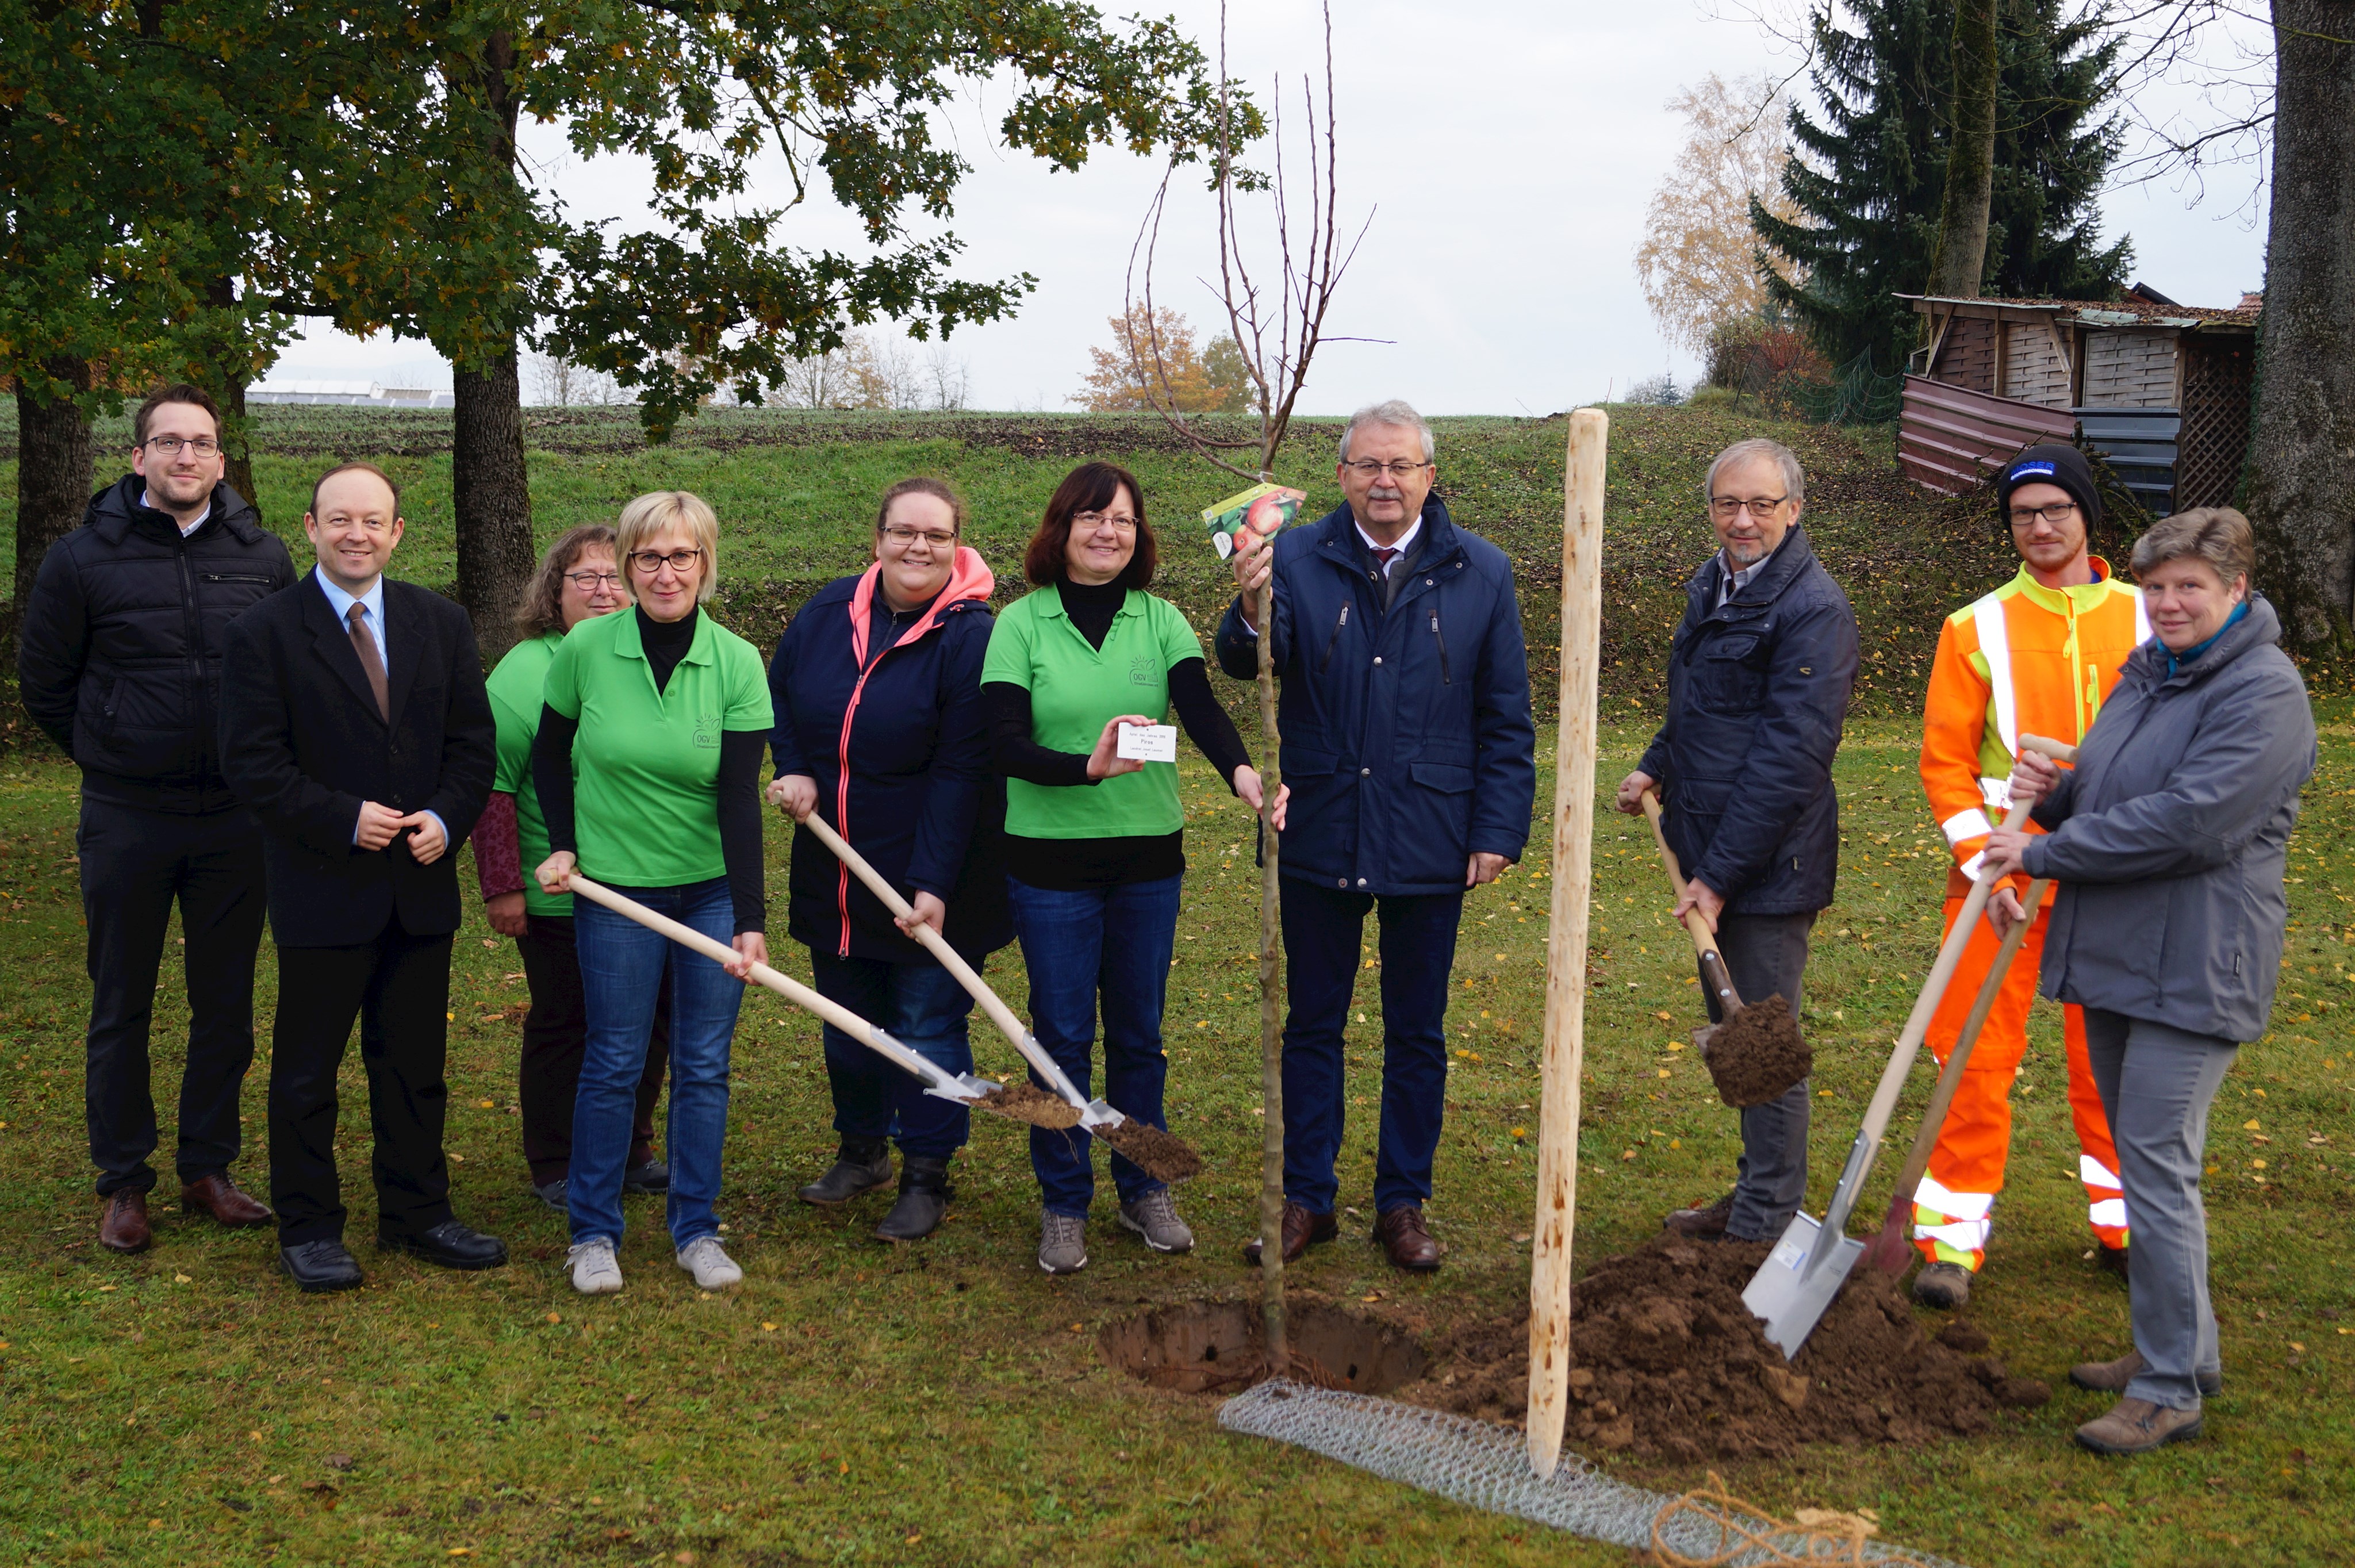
(1868, 173)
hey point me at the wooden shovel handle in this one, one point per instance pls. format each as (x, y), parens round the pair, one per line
(1712, 963)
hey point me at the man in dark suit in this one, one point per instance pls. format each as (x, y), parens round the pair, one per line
(355, 724)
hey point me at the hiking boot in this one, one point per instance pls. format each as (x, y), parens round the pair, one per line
(708, 1262)
(1943, 1286)
(1154, 1217)
(2138, 1427)
(1701, 1223)
(595, 1270)
(925, 1194)
(863, 1165)
(2112, 1377)
(1062, 1243)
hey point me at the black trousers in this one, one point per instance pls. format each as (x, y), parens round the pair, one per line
(398, 987)
(135, 864)
(555, 1032)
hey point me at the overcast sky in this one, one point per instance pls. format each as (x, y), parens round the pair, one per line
(1507, 150)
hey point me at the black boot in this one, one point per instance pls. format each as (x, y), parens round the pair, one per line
(863, 1165)
(925, 1194)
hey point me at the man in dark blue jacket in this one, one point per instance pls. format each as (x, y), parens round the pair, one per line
(119, 662)
(1412, 758)
(1759, 679)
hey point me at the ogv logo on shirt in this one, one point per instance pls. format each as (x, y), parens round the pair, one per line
(1140, 670)
(707, 728)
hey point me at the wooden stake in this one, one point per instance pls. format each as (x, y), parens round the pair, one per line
(1574, 885)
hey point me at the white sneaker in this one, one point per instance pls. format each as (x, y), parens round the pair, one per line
(595, 1270)
(708, 1262)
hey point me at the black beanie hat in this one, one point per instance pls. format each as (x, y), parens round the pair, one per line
(2051, 465)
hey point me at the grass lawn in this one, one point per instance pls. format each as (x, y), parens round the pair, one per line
(945, 1402)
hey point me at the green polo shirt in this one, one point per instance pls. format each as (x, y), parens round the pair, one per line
(516, 690)
(1075, 690)
(646, 762)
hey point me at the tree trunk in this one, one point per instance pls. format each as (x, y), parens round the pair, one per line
(1961, 255)
(492, 496)
(55, 459)
(228, 389)
(2301, 488)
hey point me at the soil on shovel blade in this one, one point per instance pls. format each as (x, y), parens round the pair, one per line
(1667, 1363)
(1029, 1103)
(1756, 1054)
(1159, 1155)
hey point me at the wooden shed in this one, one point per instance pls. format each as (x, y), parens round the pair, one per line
(2160, 390)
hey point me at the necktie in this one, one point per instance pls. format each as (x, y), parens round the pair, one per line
(1382, 558)
(370, 660)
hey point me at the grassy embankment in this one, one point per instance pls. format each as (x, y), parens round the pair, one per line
(944, 1404)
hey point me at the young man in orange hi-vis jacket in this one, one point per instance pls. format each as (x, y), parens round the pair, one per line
(2036, 656)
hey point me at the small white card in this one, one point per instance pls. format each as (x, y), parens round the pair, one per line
(1147, 742)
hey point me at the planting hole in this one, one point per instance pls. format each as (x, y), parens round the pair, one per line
(1217, 1348)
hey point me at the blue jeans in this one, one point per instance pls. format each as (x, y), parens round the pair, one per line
(1116, 940)
(622, 969)
(922, 1007)
(1322, 932)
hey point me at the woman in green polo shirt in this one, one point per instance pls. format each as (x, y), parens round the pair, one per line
(577, 580)
(1095, 841)
(647, 763)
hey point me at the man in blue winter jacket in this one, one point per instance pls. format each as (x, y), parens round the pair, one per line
(1759, 679)
(1412, 758)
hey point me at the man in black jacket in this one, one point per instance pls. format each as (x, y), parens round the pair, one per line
(120, 661)
(1759, 679)
(355, 723)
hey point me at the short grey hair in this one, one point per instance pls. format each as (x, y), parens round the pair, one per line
(1396, 412)
(1794, 480)
(2217, 535)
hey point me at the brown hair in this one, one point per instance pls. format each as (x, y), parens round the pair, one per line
(542, 610)
(2217, 535)
(1090, 488)
(178, 392)
(356, 467)
(939, 489)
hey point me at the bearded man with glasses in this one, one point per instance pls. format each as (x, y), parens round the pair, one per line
(119, 662)
(1759, 679)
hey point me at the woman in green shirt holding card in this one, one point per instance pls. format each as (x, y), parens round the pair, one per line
(647, 764)
(1095, 839)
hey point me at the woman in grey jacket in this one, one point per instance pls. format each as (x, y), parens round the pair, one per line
(2168, 839)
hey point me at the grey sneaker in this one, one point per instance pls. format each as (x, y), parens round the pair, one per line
(1154, 1217)
(595, 1270)
(1062, 1243)
(552, 1193)
(708, 1262)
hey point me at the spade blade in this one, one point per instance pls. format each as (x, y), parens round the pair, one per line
(1797, 1282)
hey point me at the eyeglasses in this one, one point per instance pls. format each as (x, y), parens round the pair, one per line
(1759, 507)
(1089, 522)
(590, 582)
(2029, 517)
(652, 560)
(169, 445)
(1370, 469)
(905, 538)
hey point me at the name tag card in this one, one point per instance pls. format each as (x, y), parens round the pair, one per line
(1147, 742)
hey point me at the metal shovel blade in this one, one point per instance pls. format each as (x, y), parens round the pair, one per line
(1794, 1286)
(964, 1089)
(1099, 1113)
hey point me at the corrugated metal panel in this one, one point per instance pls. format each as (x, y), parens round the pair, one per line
(1952, 440)
(2140, 446)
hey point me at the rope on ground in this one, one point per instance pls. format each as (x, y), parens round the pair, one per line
(1752, 1536)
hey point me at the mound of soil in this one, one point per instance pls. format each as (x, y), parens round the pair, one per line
(1668, 1364)
(1757, 1053)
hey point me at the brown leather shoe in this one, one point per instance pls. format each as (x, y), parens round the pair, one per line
(2112, 1377)
(225, 1202)
(1701, 1223)
(1401, 1233)
(2138, 1427)
(124, 1227)
(1303, 1229)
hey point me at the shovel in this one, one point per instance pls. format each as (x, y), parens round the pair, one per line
(1156, 1152)
(1807, 1266)
(1769, 1054)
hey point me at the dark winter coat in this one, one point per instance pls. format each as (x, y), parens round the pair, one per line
(119, 656)
(1757, 692)
(1407, 736)
(900, 749)
(2169, 837)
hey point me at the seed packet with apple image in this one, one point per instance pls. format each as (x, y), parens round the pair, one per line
(1263, 509)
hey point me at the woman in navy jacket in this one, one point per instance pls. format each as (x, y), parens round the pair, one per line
(877, 685)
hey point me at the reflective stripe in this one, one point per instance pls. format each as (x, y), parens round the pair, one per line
(1971, 866)
(1971, 824)
(1994, 646)
(1970, 1236)
(2108, 1212)
(1952, 1204)
(2142, 621)
(2093, 1173)
(1997, 793)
